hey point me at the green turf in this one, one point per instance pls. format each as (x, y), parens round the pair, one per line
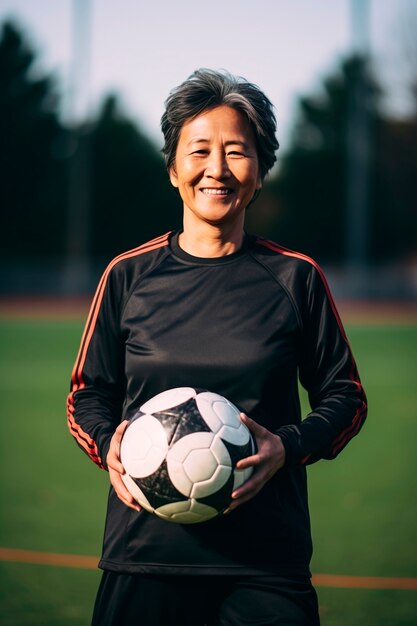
(54, 498)
(363, 505)
(37, 595)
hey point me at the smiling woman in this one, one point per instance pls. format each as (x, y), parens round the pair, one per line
(213, 307)
(219, 144)
(216, 171)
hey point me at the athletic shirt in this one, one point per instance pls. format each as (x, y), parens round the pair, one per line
(248, 326)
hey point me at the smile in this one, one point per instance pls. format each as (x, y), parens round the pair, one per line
(210, 191)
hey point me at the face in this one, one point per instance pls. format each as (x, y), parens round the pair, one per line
(216, 167)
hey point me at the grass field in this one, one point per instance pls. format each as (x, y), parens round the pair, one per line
(52, 499)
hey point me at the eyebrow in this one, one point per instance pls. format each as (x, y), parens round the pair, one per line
(231, 142)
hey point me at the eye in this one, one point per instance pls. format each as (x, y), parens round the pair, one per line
(200, 152)
(235, 153)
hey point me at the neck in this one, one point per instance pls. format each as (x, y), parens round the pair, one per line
(210, 241)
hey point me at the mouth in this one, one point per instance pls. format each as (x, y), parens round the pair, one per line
(216, 191)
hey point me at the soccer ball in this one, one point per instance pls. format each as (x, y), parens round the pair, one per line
(180, 452)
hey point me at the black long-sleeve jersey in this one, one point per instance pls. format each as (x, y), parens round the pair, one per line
(247, 326)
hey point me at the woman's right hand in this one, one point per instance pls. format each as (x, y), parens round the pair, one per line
(116, 469)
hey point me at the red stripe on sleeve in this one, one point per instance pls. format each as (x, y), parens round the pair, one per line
(303, 257)
(77, 382)
(358, 419)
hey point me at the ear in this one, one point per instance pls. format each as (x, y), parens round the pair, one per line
(259, 183)
(173, 176)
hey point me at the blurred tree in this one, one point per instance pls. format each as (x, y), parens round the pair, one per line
(310, 187)
(312, 179)
(31, 172)
(132, 198)
(394, 208)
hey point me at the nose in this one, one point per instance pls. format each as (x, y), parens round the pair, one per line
(217, 166)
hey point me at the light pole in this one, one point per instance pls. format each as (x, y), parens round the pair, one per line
(358, 151)
(78, 266)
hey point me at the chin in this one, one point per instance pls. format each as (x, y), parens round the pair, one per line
(223, 220)
(221, 215)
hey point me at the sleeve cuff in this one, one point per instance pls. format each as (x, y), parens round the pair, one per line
(288, 438)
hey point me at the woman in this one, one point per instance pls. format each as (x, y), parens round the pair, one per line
(214, 307)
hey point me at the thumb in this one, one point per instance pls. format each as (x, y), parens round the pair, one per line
(113, 455)
(119, 432)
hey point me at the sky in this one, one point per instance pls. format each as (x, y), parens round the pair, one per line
(142, 49)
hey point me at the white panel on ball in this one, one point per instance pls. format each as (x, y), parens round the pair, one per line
(238, 435)
(177, 455)
(222, 417)
(206, 488)
(144, 446)
(187, 512)
(198, 459)
(226, 411)
(168, 399)
(187, 475)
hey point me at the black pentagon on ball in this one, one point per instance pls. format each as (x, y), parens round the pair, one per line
(181, 420)
(239, 452)
(158, 488)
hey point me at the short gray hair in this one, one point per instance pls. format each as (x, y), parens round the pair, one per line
(206, 89)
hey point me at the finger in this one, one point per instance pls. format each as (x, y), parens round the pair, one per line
(249, 461)
(236, 502)
(121, 491)
(118, 433)
(113, 459)
(251, 424)
(132, 504)
(113, 455)
(114, 463)
(251, 486)
(248, 490)
(129, 502)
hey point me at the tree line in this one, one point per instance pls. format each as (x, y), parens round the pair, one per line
(103, 184)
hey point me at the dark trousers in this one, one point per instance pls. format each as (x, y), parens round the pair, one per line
(142, 600)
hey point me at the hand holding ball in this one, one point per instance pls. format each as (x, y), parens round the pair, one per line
(180, 452)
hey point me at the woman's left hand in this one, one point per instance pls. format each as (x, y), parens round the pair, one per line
(268, 459)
